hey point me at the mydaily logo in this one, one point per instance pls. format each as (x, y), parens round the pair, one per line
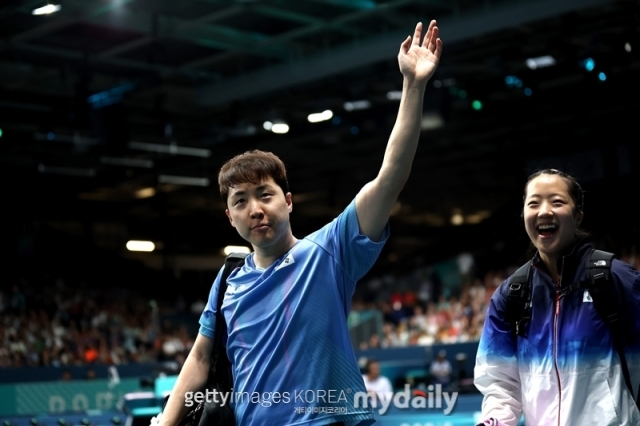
(434, 397)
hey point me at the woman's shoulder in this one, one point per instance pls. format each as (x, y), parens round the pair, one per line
(624, 272)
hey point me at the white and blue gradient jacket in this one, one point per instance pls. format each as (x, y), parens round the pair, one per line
(566, 370)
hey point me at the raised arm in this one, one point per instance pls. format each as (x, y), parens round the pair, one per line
(418, 60)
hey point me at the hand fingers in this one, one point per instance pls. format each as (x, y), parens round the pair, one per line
(438, 51)
(417, 34)
(432, 41)
(428, 36)
(406, 44)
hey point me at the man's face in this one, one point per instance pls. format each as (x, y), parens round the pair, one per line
(259, 212)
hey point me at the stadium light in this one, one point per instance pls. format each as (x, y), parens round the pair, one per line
(139, 245)
(540, 62)
(357, 105)
(235, 249)
(589, 64)
(320, 116)
(280, 128)
(46, 10)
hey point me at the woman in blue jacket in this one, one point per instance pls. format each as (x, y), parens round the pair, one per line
(564, 370)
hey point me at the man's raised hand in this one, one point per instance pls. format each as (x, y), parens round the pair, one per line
(418, 59)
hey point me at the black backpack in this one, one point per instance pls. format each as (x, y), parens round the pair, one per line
(220, 378)
(600, 288)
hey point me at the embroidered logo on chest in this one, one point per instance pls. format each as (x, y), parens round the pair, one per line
(286, 262)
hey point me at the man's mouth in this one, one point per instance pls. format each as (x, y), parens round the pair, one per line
(547, 229)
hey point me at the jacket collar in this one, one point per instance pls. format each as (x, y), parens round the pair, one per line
(568, 264)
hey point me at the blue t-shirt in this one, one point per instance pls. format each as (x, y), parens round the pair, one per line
(288, 340)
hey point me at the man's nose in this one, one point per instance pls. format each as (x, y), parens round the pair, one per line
(255, 209)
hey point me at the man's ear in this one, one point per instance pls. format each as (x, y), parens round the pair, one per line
(229, 216)
(289, 199)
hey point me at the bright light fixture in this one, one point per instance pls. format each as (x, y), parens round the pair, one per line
(320, 116)
(139, 245)
(627, 47)
(356, 105)
(46, 10)
(267, 125)
(280, 128)
(394, 95)
(235, 249)
(145, 192)
(183, 180)
(457, 218)
(432, 120)
(541, 62)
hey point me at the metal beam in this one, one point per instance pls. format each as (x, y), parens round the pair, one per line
(193, 31)
(385, 47)
(122, 63)
(71, 13)
(301, 32)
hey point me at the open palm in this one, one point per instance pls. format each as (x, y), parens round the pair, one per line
(419, 60)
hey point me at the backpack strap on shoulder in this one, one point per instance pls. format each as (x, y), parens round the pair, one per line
(518, 308)
(607, 303)
(220, 364)
(600, 288)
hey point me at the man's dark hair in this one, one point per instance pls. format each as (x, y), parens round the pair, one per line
(252, 167)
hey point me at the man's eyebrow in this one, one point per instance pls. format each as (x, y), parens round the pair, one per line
(258, 188)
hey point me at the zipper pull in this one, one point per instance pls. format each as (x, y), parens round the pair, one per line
(557, 304)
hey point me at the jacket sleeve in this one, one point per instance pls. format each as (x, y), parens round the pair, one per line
(496, 371)
(628, 282)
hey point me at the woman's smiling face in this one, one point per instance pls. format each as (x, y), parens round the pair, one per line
(550, 216)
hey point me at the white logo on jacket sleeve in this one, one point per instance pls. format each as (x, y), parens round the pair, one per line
(286, 262)
(587, 297)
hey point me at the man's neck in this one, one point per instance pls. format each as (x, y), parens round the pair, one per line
(264, 257)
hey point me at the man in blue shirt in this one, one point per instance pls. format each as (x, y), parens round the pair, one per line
(286, 309)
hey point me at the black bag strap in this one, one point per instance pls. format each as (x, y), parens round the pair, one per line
(607, 304)
(518, 307)
(219, 360)
(220, 369)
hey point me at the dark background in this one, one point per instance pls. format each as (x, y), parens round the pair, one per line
(91, 82)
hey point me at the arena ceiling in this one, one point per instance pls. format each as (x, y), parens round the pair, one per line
(116, 114)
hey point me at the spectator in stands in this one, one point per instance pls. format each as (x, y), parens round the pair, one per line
(377, 385)
(441, 370)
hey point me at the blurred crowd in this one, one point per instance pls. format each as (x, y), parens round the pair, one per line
(420, 308)
(58, 324)
(62, 325)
